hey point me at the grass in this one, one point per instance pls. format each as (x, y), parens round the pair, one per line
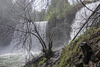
(72, 50)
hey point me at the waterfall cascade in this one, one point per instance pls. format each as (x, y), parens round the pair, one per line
(15, 57)
(81, 16)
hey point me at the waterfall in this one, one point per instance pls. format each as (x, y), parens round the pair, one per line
(81, 17)
(12, 56)
(19, 36)
(15, 57)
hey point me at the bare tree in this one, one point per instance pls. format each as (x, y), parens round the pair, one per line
(26, 27)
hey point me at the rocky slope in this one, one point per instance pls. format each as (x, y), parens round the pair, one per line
(82, 52)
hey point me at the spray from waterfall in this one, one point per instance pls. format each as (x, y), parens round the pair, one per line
(16, 57)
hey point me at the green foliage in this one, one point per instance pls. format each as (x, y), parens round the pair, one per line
(57, 9)
(72, 50)
(41, 62)
(51, 15)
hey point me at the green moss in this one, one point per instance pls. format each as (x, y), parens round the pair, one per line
(72, 50)
(41, 62)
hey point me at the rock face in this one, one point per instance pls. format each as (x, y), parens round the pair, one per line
(91, 57)
(87, 51)
(53, 61)
(91, 53)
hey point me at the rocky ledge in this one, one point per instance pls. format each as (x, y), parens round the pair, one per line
(41, 61)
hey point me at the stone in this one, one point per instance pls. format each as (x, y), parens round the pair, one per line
(87, 58)
(85, 47)
(87, 51)
(79, 64)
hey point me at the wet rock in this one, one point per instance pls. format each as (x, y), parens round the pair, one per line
(85, 48)
(87, 57)
(79, 64)
(87, 51)
(53, 60)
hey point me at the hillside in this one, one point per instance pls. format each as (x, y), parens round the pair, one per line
(82, 52)
(75, 52)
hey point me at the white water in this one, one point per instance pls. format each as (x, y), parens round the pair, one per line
(16, 57)
(14, 60)
(81, 17)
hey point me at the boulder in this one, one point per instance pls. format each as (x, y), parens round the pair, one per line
(87, 51)
(87, 57)
(85, 48)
